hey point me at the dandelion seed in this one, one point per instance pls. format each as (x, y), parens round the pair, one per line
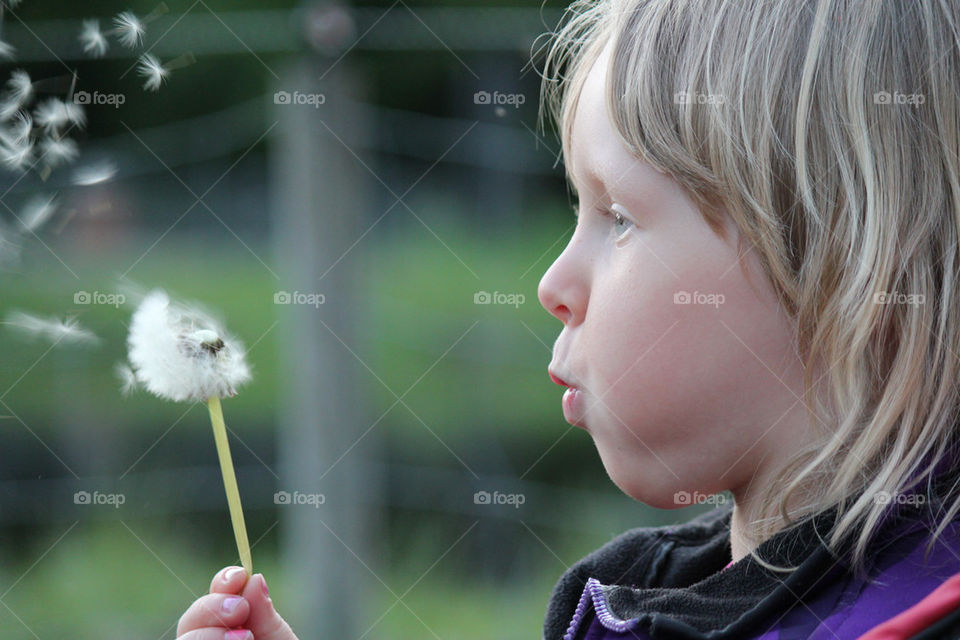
(68, 330)
(54, 113)
(127, 377)
(93, 40)
(20, 129)
(56, 151)
(129, 29)
(150, 68)
(92, 174)
(17, 157)
(19, 87)
(7, 50)
(37, 212)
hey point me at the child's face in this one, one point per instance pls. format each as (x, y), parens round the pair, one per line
(677, 397)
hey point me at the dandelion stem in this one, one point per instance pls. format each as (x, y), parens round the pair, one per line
(230, 483)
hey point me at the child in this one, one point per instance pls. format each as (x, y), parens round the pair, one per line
(761, 296)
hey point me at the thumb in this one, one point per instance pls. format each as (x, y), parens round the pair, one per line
(264, 621)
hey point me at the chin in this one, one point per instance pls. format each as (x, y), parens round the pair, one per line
(657, 492)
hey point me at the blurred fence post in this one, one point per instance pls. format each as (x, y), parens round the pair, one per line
(318, 201)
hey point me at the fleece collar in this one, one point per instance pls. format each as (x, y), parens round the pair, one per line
(672, 582)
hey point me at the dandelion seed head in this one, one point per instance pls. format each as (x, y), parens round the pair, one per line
(150, 68)
(129, 29)
(67, 330)
(180, 353)
(93, 40)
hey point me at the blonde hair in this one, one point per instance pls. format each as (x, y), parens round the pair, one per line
(828, 131)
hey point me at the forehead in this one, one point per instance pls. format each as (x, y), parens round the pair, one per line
(596, 151)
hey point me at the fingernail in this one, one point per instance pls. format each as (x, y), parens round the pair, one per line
(232, 572)
(238, 634)
(263, 583)
(230, 604)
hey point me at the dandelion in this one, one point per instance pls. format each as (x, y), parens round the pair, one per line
(92, 174)
(68, 330)
(129, 29)
(93, 40)
(180, 353)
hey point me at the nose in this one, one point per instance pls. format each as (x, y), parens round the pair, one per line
(563, 289)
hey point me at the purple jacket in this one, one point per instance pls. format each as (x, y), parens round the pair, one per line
(670, 583)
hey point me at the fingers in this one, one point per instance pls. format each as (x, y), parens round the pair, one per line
(229, 580)
(264, 620)
(217, 634)
(214, 610)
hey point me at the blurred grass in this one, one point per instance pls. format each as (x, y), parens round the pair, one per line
(101, 582)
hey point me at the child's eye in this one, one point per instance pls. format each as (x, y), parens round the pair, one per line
(621, 224)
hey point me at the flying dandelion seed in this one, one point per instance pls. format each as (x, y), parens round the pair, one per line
(129, 29)
(7, 50)
(37, 212)
(19, 87)
(93, 40)
(16, 156)
(21, 127)
(54, 113)
(68, 330)
(128, 379)
(56, 151)
(150, 68)
(92, 174)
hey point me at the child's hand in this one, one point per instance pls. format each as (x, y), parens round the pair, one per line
(235, 609)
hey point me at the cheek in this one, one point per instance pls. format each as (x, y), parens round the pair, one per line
(675, 382)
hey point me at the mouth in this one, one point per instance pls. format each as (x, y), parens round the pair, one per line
(572, 401)
(558, 380)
